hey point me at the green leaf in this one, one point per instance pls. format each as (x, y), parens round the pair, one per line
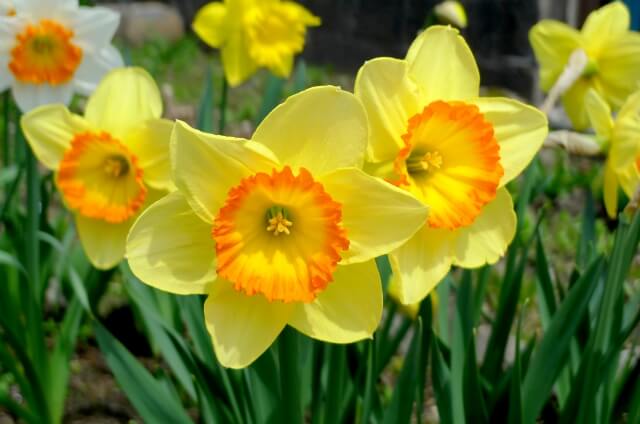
(205, 109)
(515, 394)
(11, 261)
(475, 410)
(271, 97)
(151, 398)
(289, 361)
(551, 354)
(402, 401)
(441, 376)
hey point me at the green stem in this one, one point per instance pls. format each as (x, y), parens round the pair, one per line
(6, 108)
(290, 377)
(223, 106)
(33, 222)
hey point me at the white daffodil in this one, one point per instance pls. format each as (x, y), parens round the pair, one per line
(50, 49)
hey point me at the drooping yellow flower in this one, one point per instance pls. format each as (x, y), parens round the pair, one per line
(254, 34)
(433, 136)
(278, 230)
(620, 139)
(613, 52)
(110, 164)
(50, 49)
(451, 12)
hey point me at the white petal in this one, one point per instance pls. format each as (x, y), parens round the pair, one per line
(94, 67)
(94, 27)
(6, 77)
(30, 96)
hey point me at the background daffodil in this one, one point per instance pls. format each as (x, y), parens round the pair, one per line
(432, 135)
(50, 49)
(254, 34)
(278, 230)
(109, 164)
(613, 54)
(620, 140)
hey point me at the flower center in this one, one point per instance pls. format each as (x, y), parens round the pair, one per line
(277, 221)
(45, 53)
(451, 161)
(281, 264)
(100, 178)
(275, 31)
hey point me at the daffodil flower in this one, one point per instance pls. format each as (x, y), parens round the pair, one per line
(278, 230)
(110, 164)
(613, 58)
(431, 135)
(50, 49)
(620, 139)
(254, 34)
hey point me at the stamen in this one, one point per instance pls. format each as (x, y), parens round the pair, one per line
(116, 166)
(278, 221)
(423, 163)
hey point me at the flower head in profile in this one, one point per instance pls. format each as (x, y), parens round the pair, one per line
(620, 140)
(613, 58)
(109, 164)
(254, 34)
(431, 135)
(51, 49)
(451, 12)
(279, 230)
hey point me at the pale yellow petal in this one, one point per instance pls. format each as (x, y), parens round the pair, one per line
(170, 248)
(242, 327)
(378, 216)
(150, 143)
(619, 69)
(390, 98)
(422, 263)
(103, 242)
(348, 310)
(206, 166)
(599, 114)
(211, 24)
(605, 25)
(629, 179)
(519, 129)
(573, 101)
(487, 239)
(320, 129)
(49, 131)
(443, 66)
(238, 65)
(125, 98)
(610, 189)
(552, 43)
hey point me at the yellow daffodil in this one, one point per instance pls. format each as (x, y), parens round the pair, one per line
(451, 12)
(254, 34)
(110, 164)
(613, 58)
(278, 230)
(50, 49)
(620, 139)
(431, 135)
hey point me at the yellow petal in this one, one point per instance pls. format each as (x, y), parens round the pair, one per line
(422, 263)
(519, 129)
(573, 102)
(242, 327)
(625, 142)
(443, 66)
(629, 179)
(378, 216)
(599, 114)
(487, 239)
(348, 310)
(170, 248)
(49, 131)
(320, 129)
(605, 25)
(610, 189)
(103, 242)
(150, 143)
(238, 65)
(619, 69)
(124, 99)
(553, 42)
(206, 166)
(390, 98)
(211, 24)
